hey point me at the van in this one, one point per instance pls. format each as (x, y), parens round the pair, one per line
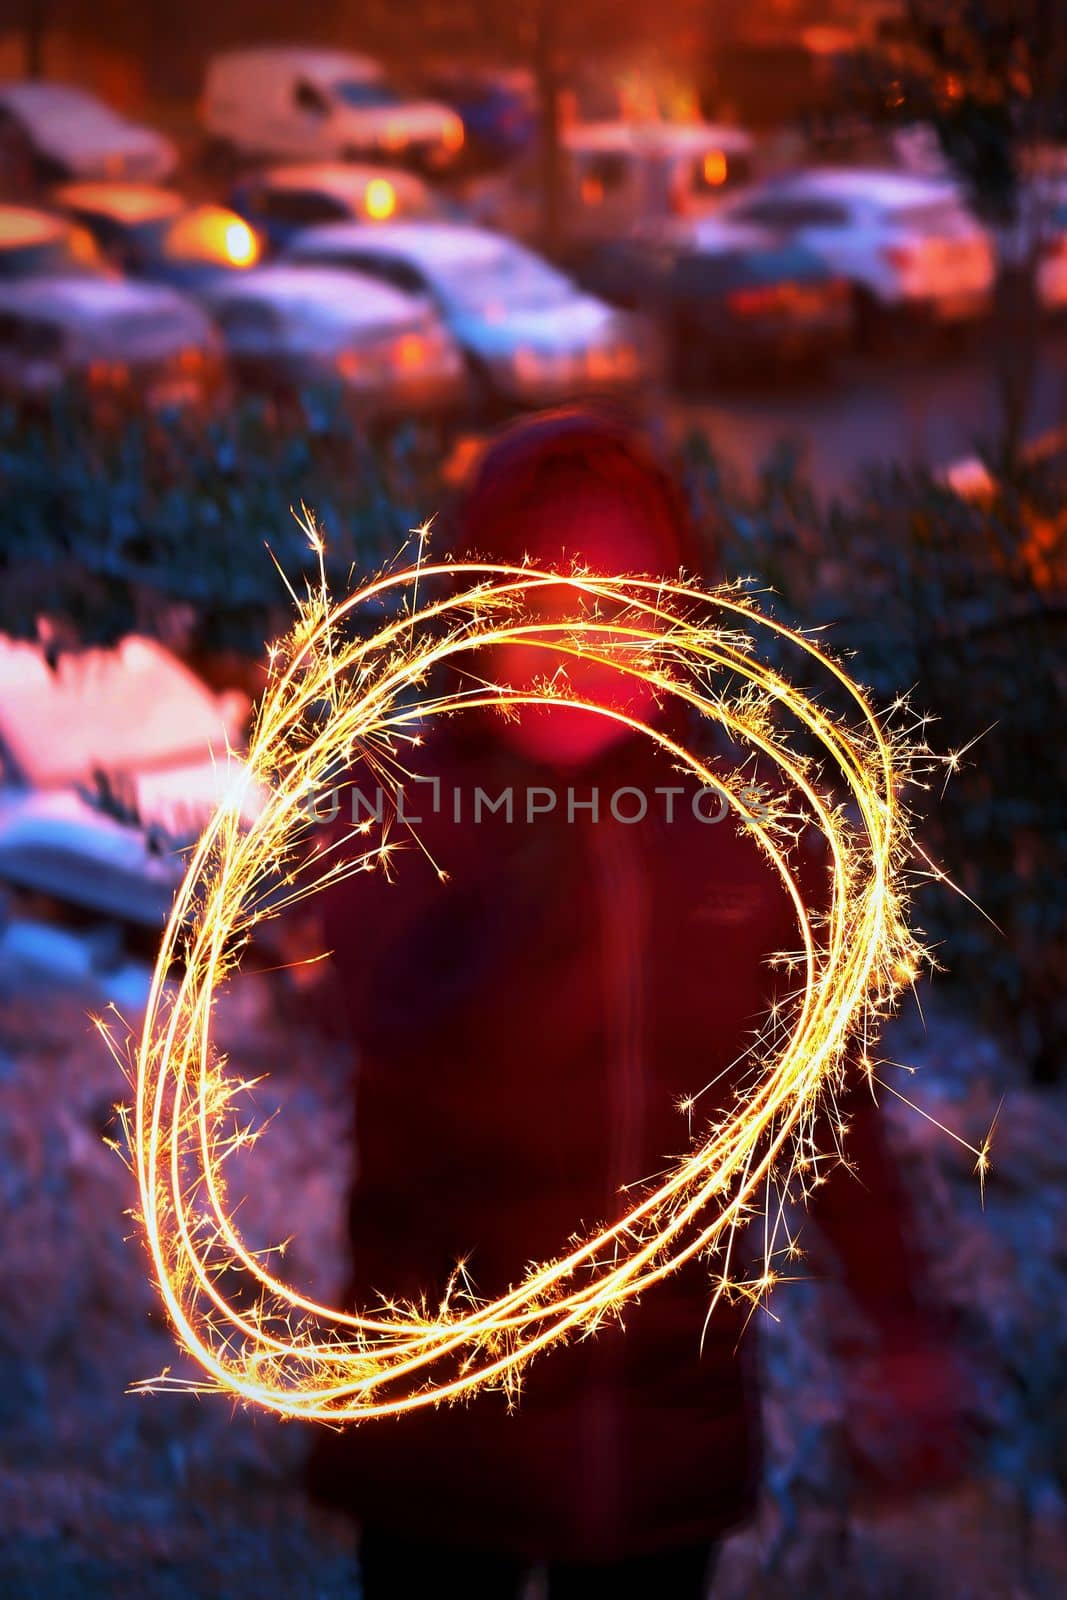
(288, 102)
(56, 131)
(617, 176)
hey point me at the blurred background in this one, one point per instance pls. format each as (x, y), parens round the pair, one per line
(251, 259)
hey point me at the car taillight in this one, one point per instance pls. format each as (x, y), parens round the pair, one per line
(714, 168)
(679, 198)
(600, 364)
(409, 352)
(349, 364)
(108, 374)
(627, 361)
(191, 359)
(754, 302)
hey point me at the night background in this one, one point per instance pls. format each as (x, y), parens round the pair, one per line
(811, 259)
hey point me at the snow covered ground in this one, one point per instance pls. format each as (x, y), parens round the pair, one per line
(103, 1494)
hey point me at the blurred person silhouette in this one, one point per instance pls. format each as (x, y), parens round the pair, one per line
(523, 1033)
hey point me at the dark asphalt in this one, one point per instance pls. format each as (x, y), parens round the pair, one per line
(930, 407)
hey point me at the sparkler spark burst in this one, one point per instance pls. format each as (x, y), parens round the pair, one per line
(356, 684)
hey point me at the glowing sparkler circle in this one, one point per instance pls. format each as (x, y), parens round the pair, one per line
(333, 694)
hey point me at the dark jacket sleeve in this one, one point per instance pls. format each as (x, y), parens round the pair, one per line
(863, 1210)
(864, 1213)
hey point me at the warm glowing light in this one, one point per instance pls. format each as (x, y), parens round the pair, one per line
(241, 247)
(452, 136)
(343, 694)
(410, 352)
(379, 199)
(212, 233)
(714, 168)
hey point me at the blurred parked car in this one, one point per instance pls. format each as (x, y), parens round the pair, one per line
(1037, 242)
(498, 107)
(280, 201)
(907, 244)
(36, 244)
(531, 337)
(56, 843)
(321, 105)
(617, 176)
(111, 761)
(123, 345)
(129, 729)
(155, 234)
(727, 298)
(53, 131)
(287, 328)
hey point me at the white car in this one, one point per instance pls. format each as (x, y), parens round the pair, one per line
(130, 726)
(321, 105)
(281, 201)
(90, 961)
(530, 335)
(907, 244)
(56, 843)
(289, 327)
(36, 244)
(122, 344)
(620, 175)
(62, 132)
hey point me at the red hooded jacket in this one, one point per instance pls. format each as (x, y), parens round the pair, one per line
(525, 1031)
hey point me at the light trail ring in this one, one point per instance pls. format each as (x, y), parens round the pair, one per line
(333, 693)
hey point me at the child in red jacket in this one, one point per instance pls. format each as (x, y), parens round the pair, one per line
(524, 1034)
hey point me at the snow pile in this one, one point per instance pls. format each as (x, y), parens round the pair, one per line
(103, 1494)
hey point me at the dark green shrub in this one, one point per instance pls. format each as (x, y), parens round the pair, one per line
(954, 601)
(928, 593)
(104, 527)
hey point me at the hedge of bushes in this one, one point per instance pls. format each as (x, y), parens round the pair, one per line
(965, 604)
(105, 527)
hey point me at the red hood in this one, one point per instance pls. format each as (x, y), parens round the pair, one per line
(573, 489)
